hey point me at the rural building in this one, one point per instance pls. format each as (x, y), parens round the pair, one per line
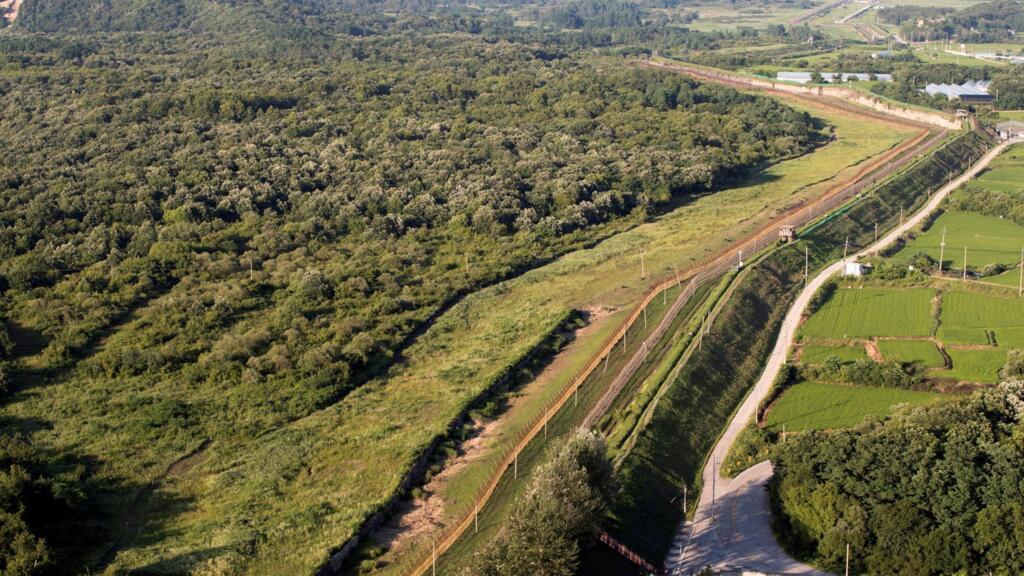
(1010, 129)
(855, 269)
(787, 233)
(805, 77)
(970, 92)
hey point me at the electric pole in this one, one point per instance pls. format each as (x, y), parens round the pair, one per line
(846, 248)
(965, 262)
(807, 263)
(847, 559)
(942, 248)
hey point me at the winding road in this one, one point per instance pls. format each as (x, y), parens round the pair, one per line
(731, 529)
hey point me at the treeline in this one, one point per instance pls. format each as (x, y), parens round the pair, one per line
(560, 513)
(977, 198)
(997, 21)
(931, 491)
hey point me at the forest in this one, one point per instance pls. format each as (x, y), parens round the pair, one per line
(944, 480)
(206, 237)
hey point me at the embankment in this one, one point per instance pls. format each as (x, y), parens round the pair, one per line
(687, 420)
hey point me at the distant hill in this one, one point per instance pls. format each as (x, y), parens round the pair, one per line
(164, 15)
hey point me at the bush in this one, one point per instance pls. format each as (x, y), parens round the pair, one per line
(1014, 367)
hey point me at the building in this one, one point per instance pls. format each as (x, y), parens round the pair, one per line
(855, 269)
(1010, 129)
(805, 77)
(787, 233)
(970, 92)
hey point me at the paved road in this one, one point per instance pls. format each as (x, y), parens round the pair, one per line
(730, 527)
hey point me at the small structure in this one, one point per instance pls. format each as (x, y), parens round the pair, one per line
(855, 269)
(1010, 129)
(970, 92)
(787, 233)
(961, 113)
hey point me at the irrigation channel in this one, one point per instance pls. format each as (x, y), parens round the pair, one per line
(731, 524)
(689, 280)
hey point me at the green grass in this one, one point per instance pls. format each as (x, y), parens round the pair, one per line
(981, 366)
(817, 353)
(989, 240)
(923, 352)
(818, 406)
(867, 312)
(1010, 278)
(966, 316)
(1006, 173)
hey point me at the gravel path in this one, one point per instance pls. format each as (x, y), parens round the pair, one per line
(730, 528)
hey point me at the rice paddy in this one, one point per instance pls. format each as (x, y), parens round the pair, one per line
(871, 312)
(989, 240)
(923, 352)
(817, 406)
(818, 354)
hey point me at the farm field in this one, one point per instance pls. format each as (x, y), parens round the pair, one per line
(966, 315)
(817, 406)
(869, 312)
(989, 240)
(818, 353)
(1006, 173)
(923, 352)
(975, 365)
(1010, 278)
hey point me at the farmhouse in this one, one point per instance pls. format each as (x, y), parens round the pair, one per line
(970, 92)
(1010, 129)
(805, 77)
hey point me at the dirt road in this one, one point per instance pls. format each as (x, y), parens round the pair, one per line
(731, 521)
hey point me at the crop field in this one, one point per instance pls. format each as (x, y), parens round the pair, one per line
(923, 352)
(966, 317)
(975, 365)
(817, 353)
(1011, 278)
(989, 240)
(818, 406)
(1006, 173)
(868, 312)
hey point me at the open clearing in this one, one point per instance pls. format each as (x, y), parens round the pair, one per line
(819, 406)
(967, 316)
(869, 312)
(989, 240)
(923, 352)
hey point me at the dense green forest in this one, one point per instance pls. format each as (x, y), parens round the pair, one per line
(944, 481)
(206, 236)
(984, 22)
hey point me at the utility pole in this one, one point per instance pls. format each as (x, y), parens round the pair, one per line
(876, 232)
(847, 559)
(684, 498)
(965, 262)
(942, 248)
(433, 558)
(846, 248)
(645, 317)
(677, 274)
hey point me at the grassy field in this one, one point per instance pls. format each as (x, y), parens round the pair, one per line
(975, 365)
(989, 240)
(817, 353)
(1010, 278)
(867, 312)
(817, 406)
(923, 352)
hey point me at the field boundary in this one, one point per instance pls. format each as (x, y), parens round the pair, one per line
(705, 270)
